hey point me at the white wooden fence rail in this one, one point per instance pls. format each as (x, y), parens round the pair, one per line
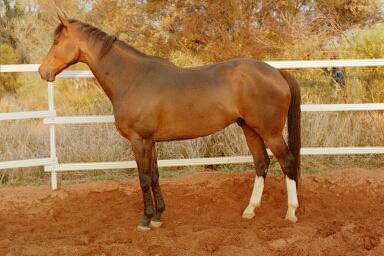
(49, 117)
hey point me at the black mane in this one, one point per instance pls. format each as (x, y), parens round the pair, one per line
(94, 33)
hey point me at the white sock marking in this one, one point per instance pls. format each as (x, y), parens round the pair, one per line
(257, 192)
(291, 191)
(255, 200)
(293, 202)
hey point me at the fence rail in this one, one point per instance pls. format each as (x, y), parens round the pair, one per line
(277, 64)
(26, 115)
(49, 117)
(28, 163)
(209, 160)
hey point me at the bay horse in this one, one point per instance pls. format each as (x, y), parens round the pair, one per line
(154, 100)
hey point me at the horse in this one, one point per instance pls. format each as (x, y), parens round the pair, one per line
(154, 100)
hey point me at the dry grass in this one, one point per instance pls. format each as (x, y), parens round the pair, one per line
(101, 142)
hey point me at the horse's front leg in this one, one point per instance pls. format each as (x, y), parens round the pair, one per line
(142, 149)
(156, 221)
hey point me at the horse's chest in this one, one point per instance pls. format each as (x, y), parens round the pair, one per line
(136, 120)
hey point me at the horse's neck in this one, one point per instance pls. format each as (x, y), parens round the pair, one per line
(115, 71)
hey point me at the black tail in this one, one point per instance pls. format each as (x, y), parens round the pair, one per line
(294, 121)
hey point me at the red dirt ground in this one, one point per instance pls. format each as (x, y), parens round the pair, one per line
(341, 213)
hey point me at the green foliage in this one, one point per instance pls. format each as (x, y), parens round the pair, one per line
(322, 90)
(8, 82)
(366, 43)
(8, 54)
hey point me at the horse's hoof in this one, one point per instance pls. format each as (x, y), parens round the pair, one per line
(248, 215)
(249, 212)
(155, 224)
(291, 216)
(143, 228)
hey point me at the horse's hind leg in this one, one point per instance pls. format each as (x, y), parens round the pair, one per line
(158, 197)
(261, 161)
(286, 160)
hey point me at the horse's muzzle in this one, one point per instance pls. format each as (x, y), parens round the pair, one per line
(46, 74)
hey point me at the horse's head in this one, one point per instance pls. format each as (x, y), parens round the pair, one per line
(63, 53)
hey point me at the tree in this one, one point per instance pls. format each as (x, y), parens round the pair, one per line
(263, 29)
(205, 29)
(131, 21)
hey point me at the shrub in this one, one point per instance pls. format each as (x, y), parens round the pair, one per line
(8, 82)
(366, 43)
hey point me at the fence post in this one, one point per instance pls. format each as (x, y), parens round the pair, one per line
(52, 135)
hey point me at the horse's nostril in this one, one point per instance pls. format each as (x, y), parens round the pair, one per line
(45, 74)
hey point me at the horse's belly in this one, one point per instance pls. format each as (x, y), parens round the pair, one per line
(196, 113)
(189, 127)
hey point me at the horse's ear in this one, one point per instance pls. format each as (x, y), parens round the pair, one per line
(63, 20)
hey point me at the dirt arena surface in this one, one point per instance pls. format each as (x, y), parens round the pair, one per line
(341, 213)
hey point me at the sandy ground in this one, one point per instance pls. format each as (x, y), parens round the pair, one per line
(341, 213)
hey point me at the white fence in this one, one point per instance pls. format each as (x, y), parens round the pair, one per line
(51, 119)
